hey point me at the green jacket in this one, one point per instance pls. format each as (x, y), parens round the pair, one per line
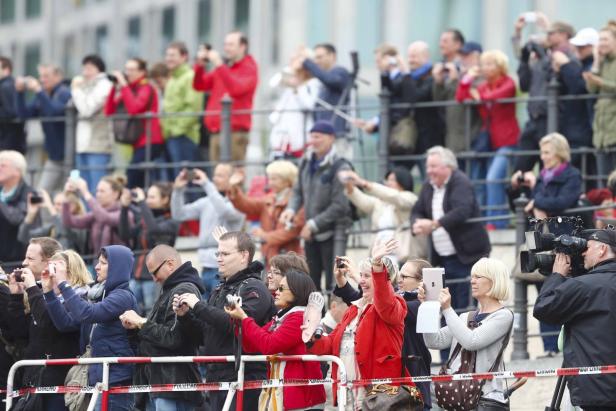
(181, 97)
(604, 125)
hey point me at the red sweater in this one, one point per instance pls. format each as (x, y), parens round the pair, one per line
(286, 339)
(238, 81)
(378, 340)
(499, 117)
(138, 97)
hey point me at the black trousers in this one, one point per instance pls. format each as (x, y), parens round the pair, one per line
(534, 130)
(320, 257)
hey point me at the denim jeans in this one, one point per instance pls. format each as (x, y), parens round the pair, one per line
(95, 160)
(210, 279)
(145, 292)
(496, 195)
(136, 177)
(180, 148)
(168, 404)
(479, 170)
(117, 402)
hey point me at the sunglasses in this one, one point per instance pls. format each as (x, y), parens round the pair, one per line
(281, 289)
(153, 273)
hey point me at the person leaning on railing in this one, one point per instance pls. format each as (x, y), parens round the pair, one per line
(283, 335)
(277, 237)
(368, 340)
(491, 323)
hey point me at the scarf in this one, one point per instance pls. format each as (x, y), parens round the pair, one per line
(549, 174)
(421, 71)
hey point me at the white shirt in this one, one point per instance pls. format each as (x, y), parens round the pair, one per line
(440, 237)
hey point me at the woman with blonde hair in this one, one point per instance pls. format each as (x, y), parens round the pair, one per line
(485, 331)
(276, 236)
(500, 129)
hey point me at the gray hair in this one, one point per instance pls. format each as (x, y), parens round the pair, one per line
(447, 156)
(16, 159)
(55, 69)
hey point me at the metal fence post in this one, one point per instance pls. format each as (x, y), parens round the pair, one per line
(225, 129)
(552, 122)
(384, 128)
(520, 303)
(148, 150)
(105, 383)
(70, 131)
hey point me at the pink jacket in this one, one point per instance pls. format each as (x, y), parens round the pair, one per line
(102, 223)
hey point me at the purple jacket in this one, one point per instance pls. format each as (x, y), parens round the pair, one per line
(102, 223)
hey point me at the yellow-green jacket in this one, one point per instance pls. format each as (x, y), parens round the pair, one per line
(181, 97)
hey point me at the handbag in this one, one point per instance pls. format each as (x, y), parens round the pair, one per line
(78, 376)
(386, 397)
(31, 401)
(129, 130)
(464, 395)
(403, 137)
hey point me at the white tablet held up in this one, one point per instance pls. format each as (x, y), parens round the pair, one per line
(433, 282)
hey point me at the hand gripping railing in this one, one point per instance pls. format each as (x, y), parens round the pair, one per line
(238, 386)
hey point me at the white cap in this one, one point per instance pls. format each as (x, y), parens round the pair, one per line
(585, 37)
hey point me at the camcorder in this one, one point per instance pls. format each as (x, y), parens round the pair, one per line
(551, 236)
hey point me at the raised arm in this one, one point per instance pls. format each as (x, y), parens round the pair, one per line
(202, 81)
(240, 82)
(108, 309)
(181, 211)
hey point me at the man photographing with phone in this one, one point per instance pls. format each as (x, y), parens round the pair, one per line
(213, 210)
(235, 75)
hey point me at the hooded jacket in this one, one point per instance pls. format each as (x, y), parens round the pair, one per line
(109, 338)
(162, 336)
(586, 306)
(12, 131)
(209, 321)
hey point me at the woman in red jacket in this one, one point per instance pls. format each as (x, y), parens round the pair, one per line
(368, 340)
(499, 121)
(134, 92)
(283, 335)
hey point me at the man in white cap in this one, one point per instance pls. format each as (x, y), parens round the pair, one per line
(585, 41)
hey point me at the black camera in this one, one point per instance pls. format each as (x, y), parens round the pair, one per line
(18, 277)
(36, 198)
(112, 78)
(549, 237)
(340, 263)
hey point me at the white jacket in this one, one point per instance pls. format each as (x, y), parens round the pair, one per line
(93, 136)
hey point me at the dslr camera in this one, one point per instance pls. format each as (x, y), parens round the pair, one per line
(549, 237)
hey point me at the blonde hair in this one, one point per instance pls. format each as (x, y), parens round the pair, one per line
(560, 144)
(76, 270)
(284, 169)
(497, 272)
(498, 57)
(16, 159)
(72, 198)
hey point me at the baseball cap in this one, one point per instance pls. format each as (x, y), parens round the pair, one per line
(585, 37)
(562, 27)
(471, 46)
(605, 236)
(324, 127)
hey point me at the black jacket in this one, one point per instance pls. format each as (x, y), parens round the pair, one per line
(6, 361)
(12, 129)
(586, 306)
(12, 213)
(148, 229)
(208, 320)
(430, 121)
(161, 335)
(573, 116)
(43, 338)
(470, 240)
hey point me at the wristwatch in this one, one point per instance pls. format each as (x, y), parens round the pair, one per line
(434, 225)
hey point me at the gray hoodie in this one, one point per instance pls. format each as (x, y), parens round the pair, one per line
(212, 210)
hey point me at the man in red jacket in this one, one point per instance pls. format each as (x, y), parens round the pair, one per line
(235, 75)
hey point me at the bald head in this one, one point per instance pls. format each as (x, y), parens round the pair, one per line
(164, 252)
(162, 261)
(418, 54)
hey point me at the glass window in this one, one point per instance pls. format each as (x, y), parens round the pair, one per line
(168, 34)
(70, 60)
(33, 8)
(32, 58)
(134, 37)
(242, 15)
(101, 42)
(319, 22)
(204, 21)
(7, 11)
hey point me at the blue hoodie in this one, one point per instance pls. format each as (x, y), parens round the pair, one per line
(109, 338)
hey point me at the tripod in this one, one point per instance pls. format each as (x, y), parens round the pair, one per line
(558, 394)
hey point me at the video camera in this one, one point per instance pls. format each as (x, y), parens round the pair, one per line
(551, 236)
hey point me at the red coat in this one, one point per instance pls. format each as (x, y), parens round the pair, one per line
(286, 339)
(138, 97)
(378, 340)
(275, 235)
(499, 117)
(238, 81)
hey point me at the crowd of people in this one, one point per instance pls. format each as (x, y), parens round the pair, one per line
(91, 267)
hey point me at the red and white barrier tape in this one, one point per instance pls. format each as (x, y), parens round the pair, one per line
(259, 384)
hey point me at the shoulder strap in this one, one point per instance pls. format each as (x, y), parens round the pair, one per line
(458, 347)
(503, 346)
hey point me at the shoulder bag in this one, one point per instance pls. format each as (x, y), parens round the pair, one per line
(129, 130)
(78, 376)
(465, 395)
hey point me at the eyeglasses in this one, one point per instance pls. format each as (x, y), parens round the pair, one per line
(274, 272)
(281, 289)
(158, 268)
